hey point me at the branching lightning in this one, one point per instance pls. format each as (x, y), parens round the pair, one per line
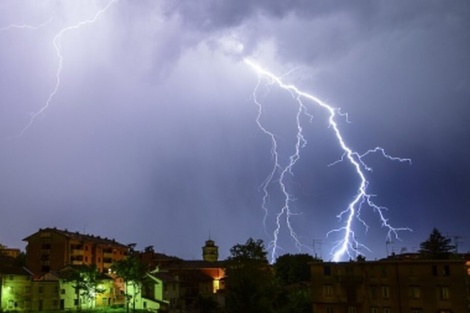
(57, 46)
(348, 245)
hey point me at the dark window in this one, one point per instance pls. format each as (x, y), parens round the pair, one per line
(434, 270)
(446, 270)
(45, 268)
(326, 270)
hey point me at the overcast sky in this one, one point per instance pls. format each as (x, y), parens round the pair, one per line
(136, 120)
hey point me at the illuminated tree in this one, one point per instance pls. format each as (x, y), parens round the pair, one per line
(436, 246)
(132, 271)
(86, 281)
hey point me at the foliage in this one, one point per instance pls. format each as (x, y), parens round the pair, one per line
(436, 246)
(292, 268)
(85, 280)
(207, 304)
(250, 251)
(250, 282)
(132, 271)
(298, 301)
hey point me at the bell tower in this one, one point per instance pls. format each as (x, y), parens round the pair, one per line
(210, 252)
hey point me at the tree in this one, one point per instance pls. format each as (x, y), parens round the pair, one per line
(436, 246)
(85, 280)
(292, 268)
(132, 271)
(249, 281)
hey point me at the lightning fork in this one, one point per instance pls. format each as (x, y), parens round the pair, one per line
(57, 46)
(348, 245)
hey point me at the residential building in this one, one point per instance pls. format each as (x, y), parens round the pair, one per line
(57, 291)
(10, 252)
(15, 289)
(389, 286)
(51, 249)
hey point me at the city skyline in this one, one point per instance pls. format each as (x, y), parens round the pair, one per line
(138, 122)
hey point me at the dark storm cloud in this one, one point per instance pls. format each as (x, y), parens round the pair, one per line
(152, 138)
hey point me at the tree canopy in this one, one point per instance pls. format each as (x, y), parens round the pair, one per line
(292, 268)
(249, 281)
(436, 246)
(132, 271)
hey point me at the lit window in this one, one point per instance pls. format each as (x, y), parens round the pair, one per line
(328, 290)
(352, 309)
(443, 292)
(415, 292)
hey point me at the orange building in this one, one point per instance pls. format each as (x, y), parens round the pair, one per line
(50, 249)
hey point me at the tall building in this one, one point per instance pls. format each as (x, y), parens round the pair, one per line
(389, 286)
(210, 252)
(50, 249)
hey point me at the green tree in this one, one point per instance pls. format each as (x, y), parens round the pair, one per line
(132, 271)
(436, 246)
(85, 280)
(292, 268)
(250, 283)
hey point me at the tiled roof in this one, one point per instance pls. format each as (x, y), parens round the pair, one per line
(80, 236)
(197, 264)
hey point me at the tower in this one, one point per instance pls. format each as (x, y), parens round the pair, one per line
(210, 252)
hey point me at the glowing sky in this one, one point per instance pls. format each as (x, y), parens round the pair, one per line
(152, 137)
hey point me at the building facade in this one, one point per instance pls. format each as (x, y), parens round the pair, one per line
(390, 286)
(51, 249)
(15, 289)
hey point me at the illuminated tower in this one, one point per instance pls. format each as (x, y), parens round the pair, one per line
(210, 252)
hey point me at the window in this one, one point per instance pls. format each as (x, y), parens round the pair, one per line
(326, 270)
(416, 311)
(352, 309)
(373, 291)
(328, 309)
(446, 270)
(374, 310)
(328, 290)
(40, 289)
(387, 310)
(443, 292)
(434, 270)
(415, 292)
(62, 291)
(385, 292)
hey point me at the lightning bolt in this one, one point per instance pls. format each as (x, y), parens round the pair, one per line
(348, 245)
(57, 46)
(24, 26)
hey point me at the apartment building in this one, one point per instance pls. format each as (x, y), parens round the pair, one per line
(50, 249)
(390, 286)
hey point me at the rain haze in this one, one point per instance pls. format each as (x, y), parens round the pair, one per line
(141, 121)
